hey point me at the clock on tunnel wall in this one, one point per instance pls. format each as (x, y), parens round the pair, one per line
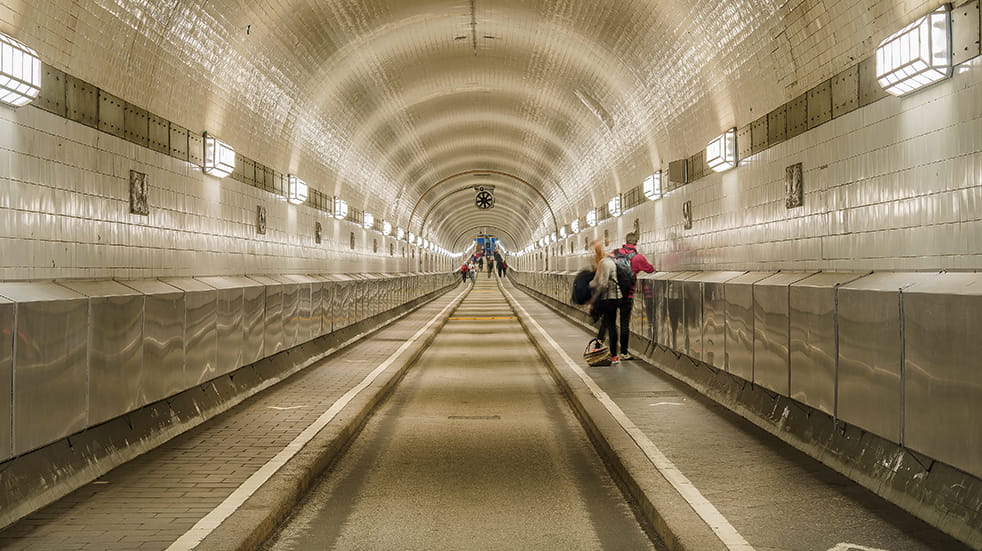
(484, 200)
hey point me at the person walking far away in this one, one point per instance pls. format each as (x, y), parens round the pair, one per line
(607, 297)
(472, 271)
(490, 266)
(500, 263)
(504, 268)
(638, 263)
(463, 272)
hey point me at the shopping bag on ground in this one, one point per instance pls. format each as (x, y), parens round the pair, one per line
(596, 353)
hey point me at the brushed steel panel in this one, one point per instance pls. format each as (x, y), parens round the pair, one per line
(771, 331)
(178, 142)
(777, 125)
(111, 118)
(136, 124)
(646, 288)
(797, 115)
(327, 305)
(196, 148)
(942, 380)
(200, 330)
(6, 377)
(845, 91)
(670, 308)
(115, 349)
(82, 101)
(253, 323)
(163, 338)
(965, 32)
(52, 96)
(698, 312)
(273, 336)
(758, 135)
(50, 372)
(812, 336)
(870, 352)
(230, 319)
(697, 166)
(820, 104)
(159, 133)
(739, 331)
(744, 142)
(303, 316)
(691, 341)
(290, 301)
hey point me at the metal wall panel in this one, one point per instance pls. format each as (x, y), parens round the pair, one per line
(115, 349)
(812, 337)
(52, 96)
(691, 341)
(739, 339)
(869, 89)
(159, 133)
(178, 142)
(136, 125)
(758, 134)
(6, 377)
(163, 338)
(273, 337)
(797, 115)
(229, 320)
(647, 291)
(200, 330)
(253, 323)
(942, 379)
(965, 32)
(777, 125)
(820, 104)
(707, 338)
(303, 316)
(50, 370)
(870, 352)
(670, 308)
(82, 101)
(290, 301)
(697, 166)
(196, 149)
(845, 91)
(111, 118)
(771, 331)
(744, 142)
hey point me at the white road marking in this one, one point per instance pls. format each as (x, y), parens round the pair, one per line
(709, 514)
(277, 408)
(666, 404)
(193, 537)
(854, 547)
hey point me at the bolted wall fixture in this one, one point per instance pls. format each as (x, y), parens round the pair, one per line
(369, 221)
(219, 157)
(297, 190)
(20, 72)
(721, 152)
(917, 55)
(652, 186)
(340, 208)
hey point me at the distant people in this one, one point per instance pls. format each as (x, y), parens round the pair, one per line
(504, 268)
(639, 263)
(463, 272)
(606, 298)
(500, 263)
(490, 266)
(480, 262)
(472, 271)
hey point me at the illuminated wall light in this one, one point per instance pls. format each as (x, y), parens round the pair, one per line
(412, 238)
(591, 217)
(574, 226)
(386, 228)
(552, 237)
(340, 208)
(400, 234)
(562, 232)
(721, 152)
(297, 190)
(369, 221)
(614, 205)
(917, 55)
(20, 72)
(219, 157)
(652, 186)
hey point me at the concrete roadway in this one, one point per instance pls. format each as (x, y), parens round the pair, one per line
(475, 449)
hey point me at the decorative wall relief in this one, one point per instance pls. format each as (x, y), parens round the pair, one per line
(374, 245)
(793, 188)
(260, 220)
(138, 194)
(317, 232)
(606, 238)
(351, 240)
(687, 215)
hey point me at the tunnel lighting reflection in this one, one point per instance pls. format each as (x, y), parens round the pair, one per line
(20, 72)
(219, 157)
(721, 152)
(917, 55)
(574, 226)
(652, 186)
(386, 228)
(340, 208)
(614, 205)
(297, 190)
(369, 221)
(591, 217)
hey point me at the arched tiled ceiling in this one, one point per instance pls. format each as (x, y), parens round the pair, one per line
(517, 201)
(374, 100)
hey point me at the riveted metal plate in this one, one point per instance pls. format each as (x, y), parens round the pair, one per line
(797, 115)
(196, 148)
(159, 134)
(279, 184)
(869, 89)
(246, 170)
(777, 125)
(820, 104)
(136, 125)
(111, 114)
(845, 91)
(178, 141)
(697, 165)
(965, 32)
(758, 135)
(264, 177)
(678, 174)
(82, 101)
(743, 142)
(52, 96)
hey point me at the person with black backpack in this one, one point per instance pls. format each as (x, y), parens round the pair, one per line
(628, 262)
(607, 296)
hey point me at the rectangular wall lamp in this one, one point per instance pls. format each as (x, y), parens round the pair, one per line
(591, 217)
(574, 226)
(652, 186)
(219, 157)
(20, 72)
(917, 55)
(721, 152)
(369, 222)
(386, 228)
(340, 208)
(614, 205)
(297, 190)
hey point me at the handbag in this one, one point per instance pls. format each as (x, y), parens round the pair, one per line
(596, 353)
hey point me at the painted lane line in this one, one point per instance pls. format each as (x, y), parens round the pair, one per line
(193, 537)
(706, 510)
